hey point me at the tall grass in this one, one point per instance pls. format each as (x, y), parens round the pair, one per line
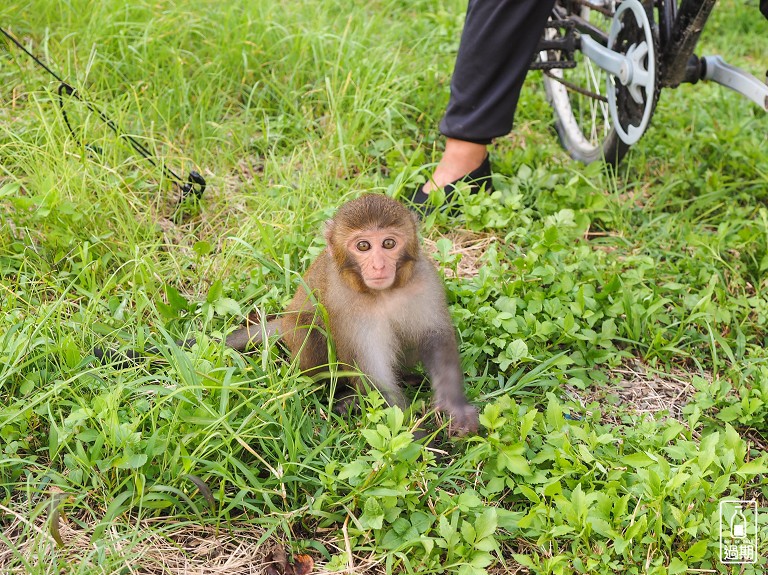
(288, 109)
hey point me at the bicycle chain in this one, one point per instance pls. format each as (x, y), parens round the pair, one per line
(575, 87)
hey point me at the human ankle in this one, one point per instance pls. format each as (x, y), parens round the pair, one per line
(459, 159)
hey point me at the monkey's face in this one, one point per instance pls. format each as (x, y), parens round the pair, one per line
(377, 254)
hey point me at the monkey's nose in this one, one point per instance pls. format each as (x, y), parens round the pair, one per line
(378, 263)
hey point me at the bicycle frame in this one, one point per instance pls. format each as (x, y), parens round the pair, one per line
(678, 62)
(679, 32)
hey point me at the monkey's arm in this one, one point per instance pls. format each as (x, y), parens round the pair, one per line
(440, 356)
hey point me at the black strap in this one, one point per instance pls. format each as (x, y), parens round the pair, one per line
(764, 7)
(195, 183)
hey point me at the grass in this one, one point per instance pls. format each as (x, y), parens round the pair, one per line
(574, 290)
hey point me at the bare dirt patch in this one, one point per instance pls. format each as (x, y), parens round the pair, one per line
(639, 389)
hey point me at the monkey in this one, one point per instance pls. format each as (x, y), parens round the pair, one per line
(385, 309)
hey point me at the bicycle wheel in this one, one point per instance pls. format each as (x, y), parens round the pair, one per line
(578, 95)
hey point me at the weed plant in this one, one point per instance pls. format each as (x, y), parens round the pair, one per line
(587, 276)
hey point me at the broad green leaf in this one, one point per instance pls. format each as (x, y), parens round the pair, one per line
(698, 550)
(468, 532)
(585, 453)
(374, 439)
(487, 544)
(555, 418)
(400, 441)
(707, 452)
(466, 568)
(636, 528)
(677, 566)
(677, 480)
(524, 560)
(354, 469)
(579, 502)
(373, 514)
(754, 467)
(469, 500)
(481, 560)
(130, 461)
(202, 248)
(175, 299)
(529, 493)
(9, 189)
(486, 523)
(517, 350)
(526, 424)
(553, 488)
(721, 484)
(215, 292)
(601, 527)
(421, 521)
(395, 418)
(227, 306)
(637, 460)
(515, 463)
(446, 530)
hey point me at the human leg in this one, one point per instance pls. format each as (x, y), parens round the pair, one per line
(496, 48)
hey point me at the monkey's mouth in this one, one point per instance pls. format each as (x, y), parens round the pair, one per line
(379, 282)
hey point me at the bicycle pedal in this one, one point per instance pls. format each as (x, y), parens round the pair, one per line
(719, 71)
(564, 44)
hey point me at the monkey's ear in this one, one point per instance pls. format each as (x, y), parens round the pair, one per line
(328, 233)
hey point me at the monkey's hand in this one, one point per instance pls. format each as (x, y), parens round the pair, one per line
(464, 419)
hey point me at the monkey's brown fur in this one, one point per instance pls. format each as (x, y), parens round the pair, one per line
(380, 331)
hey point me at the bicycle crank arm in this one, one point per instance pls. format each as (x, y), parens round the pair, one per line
(715, 69)
(612, 62)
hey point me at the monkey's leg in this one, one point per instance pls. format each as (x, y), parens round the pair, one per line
(345, 397)
(377, 365)
(306, 340)
(440, 357)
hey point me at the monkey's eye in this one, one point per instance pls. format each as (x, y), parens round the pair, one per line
(363, 246)
(388, 244)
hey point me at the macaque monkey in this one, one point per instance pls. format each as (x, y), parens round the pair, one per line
(385, 306)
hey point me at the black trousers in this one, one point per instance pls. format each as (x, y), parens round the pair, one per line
(497, 45)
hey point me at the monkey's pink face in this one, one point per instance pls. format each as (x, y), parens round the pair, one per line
(377, 253)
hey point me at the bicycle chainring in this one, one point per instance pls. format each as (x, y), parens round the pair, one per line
(632, 105)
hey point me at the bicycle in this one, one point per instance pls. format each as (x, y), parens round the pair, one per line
(605, 63)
